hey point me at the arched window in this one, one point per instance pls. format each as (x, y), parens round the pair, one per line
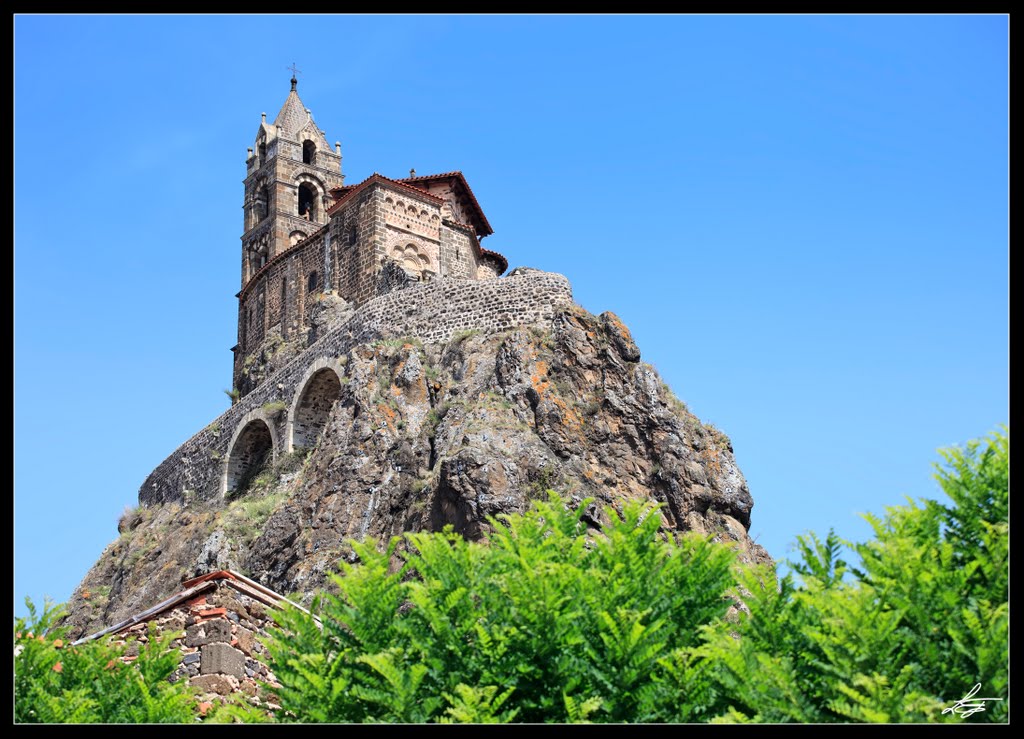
(311, 283)
(415, 263)
(353, 234)
(307, 201)
(308, 152)
(263, 153)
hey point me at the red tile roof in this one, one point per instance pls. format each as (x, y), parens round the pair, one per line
(484, 228)
(463, 226)
(441, 176)
(338, 192)
(343, 193)
(377, 177)
(239, 582)
(277, 258)
(496, 256)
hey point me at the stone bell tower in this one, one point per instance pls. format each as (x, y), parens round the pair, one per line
(289, 174)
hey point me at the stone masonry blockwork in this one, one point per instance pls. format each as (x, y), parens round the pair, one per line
(432, 312)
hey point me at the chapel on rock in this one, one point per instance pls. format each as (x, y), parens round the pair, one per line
(306, 234)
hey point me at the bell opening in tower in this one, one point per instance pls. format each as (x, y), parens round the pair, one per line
(307, 202)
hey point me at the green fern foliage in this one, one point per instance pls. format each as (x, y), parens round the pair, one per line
(57, 683)
(545, 621)
(548, 620)
(901, 637)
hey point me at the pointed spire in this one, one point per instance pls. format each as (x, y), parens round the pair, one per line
(292, 116)
(295, 121)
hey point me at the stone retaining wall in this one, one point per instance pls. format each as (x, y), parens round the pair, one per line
(431, 312)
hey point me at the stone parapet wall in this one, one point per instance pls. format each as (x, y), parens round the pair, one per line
(431, 312)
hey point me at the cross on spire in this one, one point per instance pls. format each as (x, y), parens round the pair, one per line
(295, 71)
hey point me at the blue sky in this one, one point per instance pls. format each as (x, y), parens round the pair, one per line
(803, 220)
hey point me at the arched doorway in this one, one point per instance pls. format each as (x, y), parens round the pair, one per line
(312, 407)
(252, 451)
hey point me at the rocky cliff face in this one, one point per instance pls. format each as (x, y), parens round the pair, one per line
(450, 433)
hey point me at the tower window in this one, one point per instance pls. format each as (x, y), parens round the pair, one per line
(312, 281)
(263, 154)
(307, 201)
(353, 234)
(262, 203)
(308, 152)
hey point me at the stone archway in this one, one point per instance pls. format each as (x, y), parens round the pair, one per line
(413, 260)
(253, 447)
(311, 408)
(310, 197)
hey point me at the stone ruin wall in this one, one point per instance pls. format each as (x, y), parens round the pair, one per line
(221, 633)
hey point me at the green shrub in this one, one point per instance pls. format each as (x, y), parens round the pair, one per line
(678, 406)
(902, 637)
(461, 336)
(57, 683)
(541, 623)
(130, 518)
(547, 621)
(275, 407)
(435, 416)
(244, 517)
